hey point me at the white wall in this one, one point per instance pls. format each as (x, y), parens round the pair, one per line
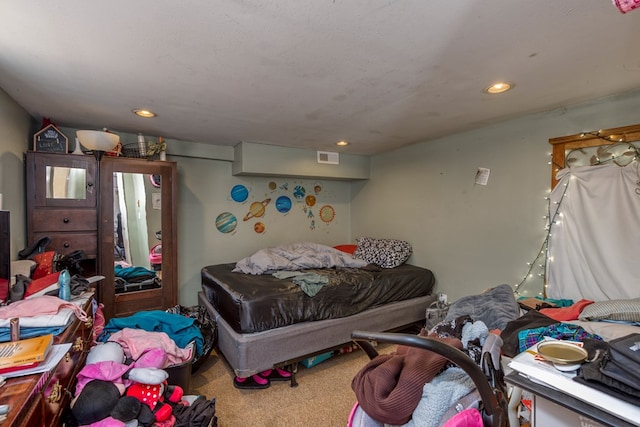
(204, 192)
(15, 126)
(472, 236)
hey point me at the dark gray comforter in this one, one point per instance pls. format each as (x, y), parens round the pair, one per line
(495, 307)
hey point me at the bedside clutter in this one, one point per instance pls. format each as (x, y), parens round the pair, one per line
(39, 274)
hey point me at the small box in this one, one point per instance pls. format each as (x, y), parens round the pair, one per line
(314, 360)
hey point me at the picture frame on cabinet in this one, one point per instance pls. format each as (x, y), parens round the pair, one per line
(51, 140)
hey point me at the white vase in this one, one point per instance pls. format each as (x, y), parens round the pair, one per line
(163, 155)
(77, 150)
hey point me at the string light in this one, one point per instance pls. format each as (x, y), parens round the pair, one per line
(603, 155)
(543, 252)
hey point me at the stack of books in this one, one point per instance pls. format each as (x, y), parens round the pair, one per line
(24, 354)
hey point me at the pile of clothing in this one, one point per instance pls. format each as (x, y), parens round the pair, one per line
(37, 270)
(119, 387)
(125, 380)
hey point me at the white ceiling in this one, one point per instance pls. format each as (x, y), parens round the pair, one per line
(306, 73)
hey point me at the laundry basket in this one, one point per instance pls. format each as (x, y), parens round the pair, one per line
(208, 327)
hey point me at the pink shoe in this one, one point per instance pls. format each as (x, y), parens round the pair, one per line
(276, 374)
(254, 382)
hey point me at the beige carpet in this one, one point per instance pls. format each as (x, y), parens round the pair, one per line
(322, 398)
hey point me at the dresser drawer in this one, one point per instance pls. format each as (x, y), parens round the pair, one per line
(56, 395)
(64, 220)
(65, 243)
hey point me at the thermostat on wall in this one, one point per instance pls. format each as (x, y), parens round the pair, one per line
(328, 157)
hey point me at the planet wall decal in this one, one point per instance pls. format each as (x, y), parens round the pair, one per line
(310, 200)
(239, 193)
(283, 204)
(256, 210)
(327, 213)
(259, 227)
(299, 192)
(226, 222)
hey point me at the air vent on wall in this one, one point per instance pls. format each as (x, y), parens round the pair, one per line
(328, 157)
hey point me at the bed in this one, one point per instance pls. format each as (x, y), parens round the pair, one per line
(266, 321)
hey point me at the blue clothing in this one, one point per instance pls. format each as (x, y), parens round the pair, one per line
(30, 332)
(133, 274)
(181, 329)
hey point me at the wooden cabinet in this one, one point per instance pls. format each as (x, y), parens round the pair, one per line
(117, 209)
(62, 199)
(42, 399)
(138, 211)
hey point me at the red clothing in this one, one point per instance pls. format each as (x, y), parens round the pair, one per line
(566, 313)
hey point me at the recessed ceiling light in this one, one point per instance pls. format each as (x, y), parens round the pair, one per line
(499, 87)
(342, 143)
(144, 113)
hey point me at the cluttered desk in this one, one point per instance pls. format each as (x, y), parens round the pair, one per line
(553, 407)
(38, 393)
(561, 401)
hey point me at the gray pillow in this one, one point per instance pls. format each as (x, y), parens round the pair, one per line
(620, 309)
(495, 307)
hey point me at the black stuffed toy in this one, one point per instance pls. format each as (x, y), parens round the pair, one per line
(97, 400)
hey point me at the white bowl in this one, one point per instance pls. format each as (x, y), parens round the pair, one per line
(97, 140)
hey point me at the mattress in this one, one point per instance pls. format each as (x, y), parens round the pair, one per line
(256, 303)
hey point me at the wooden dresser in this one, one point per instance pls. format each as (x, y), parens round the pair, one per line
(42, 399)
(62, 195)
(75, 201)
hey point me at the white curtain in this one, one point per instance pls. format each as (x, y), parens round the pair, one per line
(594, 243)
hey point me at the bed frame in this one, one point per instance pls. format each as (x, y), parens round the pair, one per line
(251, 353)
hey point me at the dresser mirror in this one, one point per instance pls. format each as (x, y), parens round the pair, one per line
(62, 180)
(138, 264)
(66, 183)
(137, 211)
